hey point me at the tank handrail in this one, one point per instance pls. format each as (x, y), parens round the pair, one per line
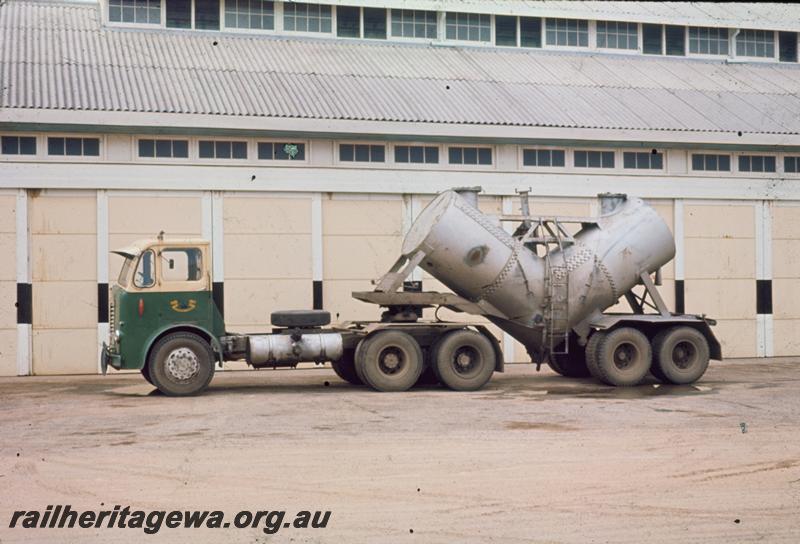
(549, 218)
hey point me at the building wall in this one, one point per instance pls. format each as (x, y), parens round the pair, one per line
(268, 261)
(8, 284)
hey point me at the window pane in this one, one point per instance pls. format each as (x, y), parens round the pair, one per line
(375, 23)
(55, 146)
(265, 151)
(362, 153)
(529, 157)
(724, 163)
(73, 146)
(377, 153)
(698, 162)
(401, 153)
(543, 157)
(147, 148)
(206, 149)
(530, 31)
(484, 155)
(790, 164)
(239, 150)
(675, 37)
(348, 23)
(163, 148)
(470, 155)
(10, 145)
(416, 154)
(628, 160)
(657, 161)
(455, 155)
(505, 30)
(180, 149)
(432, 155)
(179, 13)
(580, 158)
(558, 157)
(91, 147)
(594, 159)
(345, 152)
(744, 163)
(222, 150)
(769, 164)
(788, 46)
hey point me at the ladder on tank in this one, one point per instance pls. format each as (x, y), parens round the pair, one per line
(557, 320)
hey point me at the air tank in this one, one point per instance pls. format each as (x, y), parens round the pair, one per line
(474, 257)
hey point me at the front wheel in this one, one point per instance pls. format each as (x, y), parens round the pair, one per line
(181, 364)
(389, 361)
(464, 360)
(145, 370)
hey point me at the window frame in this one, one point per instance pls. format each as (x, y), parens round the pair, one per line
(416, 165)
(591, 43)
(775, 47)
(306, 34)
(253, 156)
(710, 56)
(276, 6)
(712, 173)
(633, 171)
(101, 156)
(613, 50)
(439, 27)
(782, 164)
(358, 164)
(593, 169)
(778, 163)
(461, 166)
(137, 158)
(195, 143)
(521, 166)
(441, 31)
(41, 143)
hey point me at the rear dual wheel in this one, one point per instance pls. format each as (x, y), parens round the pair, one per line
(463, 360)
(681, 355)
(620, 357)
(389, 361)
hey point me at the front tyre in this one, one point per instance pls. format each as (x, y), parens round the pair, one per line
(464, 360)
(681, 355)
(181, 364)
(389, 361)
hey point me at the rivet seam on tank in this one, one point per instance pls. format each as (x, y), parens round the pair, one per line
(580, 257)
(502, 276)
(483, 221)
(608, 276)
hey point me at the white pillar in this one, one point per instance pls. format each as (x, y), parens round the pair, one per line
(102, 271)
(24, 343)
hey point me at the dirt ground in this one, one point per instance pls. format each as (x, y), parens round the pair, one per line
(532, 458)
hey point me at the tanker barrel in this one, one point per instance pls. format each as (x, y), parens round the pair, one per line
(470, 194)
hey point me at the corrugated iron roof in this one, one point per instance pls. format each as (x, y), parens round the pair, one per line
(58, 56)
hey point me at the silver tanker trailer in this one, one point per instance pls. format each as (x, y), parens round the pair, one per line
(547, 282)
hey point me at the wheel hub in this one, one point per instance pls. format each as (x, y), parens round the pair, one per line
(391, 361)
(182, 364)
(624, 356)
(683, 355)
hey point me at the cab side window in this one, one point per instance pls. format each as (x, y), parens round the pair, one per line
(182, 264)
(145, 270)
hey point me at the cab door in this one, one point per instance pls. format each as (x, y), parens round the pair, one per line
(184, 295)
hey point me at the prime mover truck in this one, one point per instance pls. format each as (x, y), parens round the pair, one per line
(545, 280)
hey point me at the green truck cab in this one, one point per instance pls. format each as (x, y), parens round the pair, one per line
(162, 309)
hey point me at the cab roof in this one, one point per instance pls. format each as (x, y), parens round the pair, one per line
(134, 249)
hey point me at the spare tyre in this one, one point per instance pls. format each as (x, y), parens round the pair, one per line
(301, 318)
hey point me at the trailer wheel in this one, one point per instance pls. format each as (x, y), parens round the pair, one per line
(145, 370)
(181, 364)
(464, 360)
(591, 353)
(623, 357)
(681, 355)
(571, 364)
(389, 361)
(345, 367)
